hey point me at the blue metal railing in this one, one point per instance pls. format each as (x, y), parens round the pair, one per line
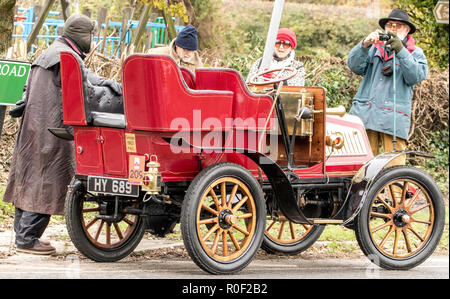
(112, 43)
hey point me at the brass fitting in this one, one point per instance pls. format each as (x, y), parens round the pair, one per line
(336, 140)
(151, 179)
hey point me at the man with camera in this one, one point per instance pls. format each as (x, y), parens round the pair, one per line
(374, 101)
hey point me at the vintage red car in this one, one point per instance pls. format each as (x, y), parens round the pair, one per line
(239, 169)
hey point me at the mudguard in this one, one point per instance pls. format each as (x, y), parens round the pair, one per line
(363, 180)
(283, 191)
(281, 186)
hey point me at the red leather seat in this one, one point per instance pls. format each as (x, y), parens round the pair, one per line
(72, 90)
(155, 95)
(76, 110)
(189, 77)
(251, 108)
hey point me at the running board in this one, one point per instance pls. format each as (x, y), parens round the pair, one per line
(325, 221)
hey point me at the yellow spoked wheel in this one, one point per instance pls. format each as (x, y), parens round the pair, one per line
(222, 221)
(284, 236)
(402, 220)
(232, 216)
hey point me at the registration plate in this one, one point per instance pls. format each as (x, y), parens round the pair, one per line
(112, 186)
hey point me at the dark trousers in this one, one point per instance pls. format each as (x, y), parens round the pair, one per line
(29, 227)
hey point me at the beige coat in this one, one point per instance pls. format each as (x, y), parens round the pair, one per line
(170, 50)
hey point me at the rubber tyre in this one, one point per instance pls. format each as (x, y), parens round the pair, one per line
(78, 235)
(271, 246)
(189, 211)
(362, 226)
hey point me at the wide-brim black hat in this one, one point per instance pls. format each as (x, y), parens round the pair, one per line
(398, 15)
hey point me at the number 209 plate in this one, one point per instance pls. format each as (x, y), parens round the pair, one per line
(112, 186)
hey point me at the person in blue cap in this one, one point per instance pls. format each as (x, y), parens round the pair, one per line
(183, 49)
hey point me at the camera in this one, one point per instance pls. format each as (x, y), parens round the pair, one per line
(384, 36)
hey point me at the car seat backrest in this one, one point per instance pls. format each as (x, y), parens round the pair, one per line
(74, 112)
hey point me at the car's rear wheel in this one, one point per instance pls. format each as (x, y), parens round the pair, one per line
(95, 236)
(284, 236)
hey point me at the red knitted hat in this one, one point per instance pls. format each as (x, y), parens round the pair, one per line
(287, 34)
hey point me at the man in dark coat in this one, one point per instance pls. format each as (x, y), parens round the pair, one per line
(43, 165)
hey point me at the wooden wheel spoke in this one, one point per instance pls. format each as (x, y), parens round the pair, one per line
(413, 199)
(224, 242)
(235, 242)
(99, 230)
(306, 226)
(244, 216)
(241, 229)
(270, 226)
(391, 230)
(415, 233)
(420, 208)
(215, 199)
(128, 221)
(389, 223)
(291, 228)
(408, 244)
(392, 193)
(404, 191)
(208, 220)
(90, 210)
(381, 215)
(210, 232)
(232, 195)
(108, 233)
(391, 210)
(239, 204)
(212, 211)
(216, 241)
(223, 192)
(421, 221)
(91, 223)
(118, 231)
(280, 233)
(397, 235)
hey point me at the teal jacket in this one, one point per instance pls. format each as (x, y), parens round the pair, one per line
(374, 101)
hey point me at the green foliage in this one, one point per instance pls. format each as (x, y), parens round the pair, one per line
(335, 2)
(335, 76)
(6, 209)
(320, 31)
(439, 167)
(439, 147)
(208, 21)
(205, 9)
(171, 7)
(331, 33)
(431, 36)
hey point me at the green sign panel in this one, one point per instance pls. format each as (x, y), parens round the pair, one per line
(13, 77)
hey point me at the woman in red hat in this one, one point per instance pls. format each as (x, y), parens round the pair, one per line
(284, 56)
